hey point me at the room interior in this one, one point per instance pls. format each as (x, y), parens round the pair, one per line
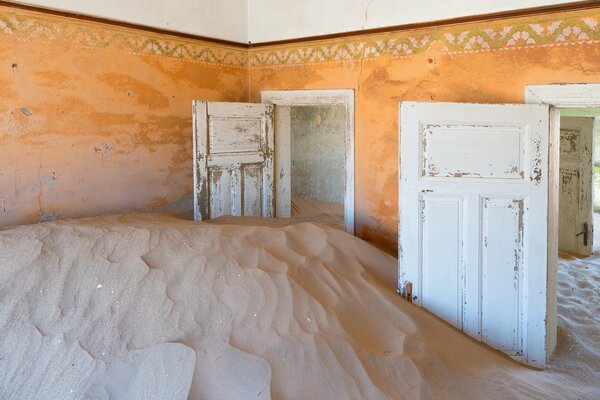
(259, 199)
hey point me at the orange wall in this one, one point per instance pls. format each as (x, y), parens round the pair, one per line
(484, 62)
(110, 123)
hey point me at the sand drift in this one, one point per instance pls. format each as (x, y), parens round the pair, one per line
(143, 306)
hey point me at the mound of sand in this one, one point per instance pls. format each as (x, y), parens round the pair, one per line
(150, 307)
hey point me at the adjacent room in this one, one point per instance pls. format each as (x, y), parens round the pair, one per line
(318, 163)
(259, 199)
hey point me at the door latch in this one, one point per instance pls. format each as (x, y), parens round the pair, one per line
(585, 233)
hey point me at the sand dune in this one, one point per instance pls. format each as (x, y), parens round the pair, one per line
(150, 307)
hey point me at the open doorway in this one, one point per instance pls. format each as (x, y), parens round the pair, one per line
(479, 221)
(314, 155)
(573, 278)
(579, 198)
(318, 163)
(578, 271)
(573, 282)
(246, 154)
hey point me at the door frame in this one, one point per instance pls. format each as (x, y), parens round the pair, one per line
(343, 97)
(557, 96)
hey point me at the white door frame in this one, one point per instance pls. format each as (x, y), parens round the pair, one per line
(282, 141)
(557, 96)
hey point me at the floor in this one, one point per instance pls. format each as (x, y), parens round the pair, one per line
(578, 350)
(320, 212)
(323, 212)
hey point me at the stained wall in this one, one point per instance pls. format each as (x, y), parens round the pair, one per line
(318, 152)
(489, 62)
(97, 119)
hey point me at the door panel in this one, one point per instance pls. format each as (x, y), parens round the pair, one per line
(575, 226)
(501, 266)
(252, 180)
(494, 152)
(442, 221)
(473, 220)
(220, 191)
(233, 159)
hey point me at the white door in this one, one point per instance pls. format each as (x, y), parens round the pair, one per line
(575, 225)
(233, 159)
(473, 220)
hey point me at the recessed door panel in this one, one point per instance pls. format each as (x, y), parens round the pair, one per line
(473, 151)
(501, 269)
(442, 222)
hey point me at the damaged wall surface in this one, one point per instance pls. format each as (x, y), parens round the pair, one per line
(98, 119)
(318, 152)
(486, 62)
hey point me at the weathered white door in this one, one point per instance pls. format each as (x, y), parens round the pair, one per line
(473, 220)
(575, 224)
(233, 159)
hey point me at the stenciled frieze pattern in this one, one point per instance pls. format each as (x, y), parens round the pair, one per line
(573, 28)
(536, 31)
(25, 25)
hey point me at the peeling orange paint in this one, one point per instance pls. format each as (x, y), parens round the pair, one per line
(381, 83)
(111, 107)
(113, 127)
(142, 93)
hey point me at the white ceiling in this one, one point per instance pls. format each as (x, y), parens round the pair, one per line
(286, 19)
(219, 19)
(268, 20)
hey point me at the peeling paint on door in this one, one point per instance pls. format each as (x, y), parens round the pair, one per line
(233, 159)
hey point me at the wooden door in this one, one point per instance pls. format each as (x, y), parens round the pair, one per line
(575, 224)
(473, 220)
(233, 159)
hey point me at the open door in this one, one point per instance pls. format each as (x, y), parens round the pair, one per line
(233, 159)
(473, 220)
(575, 225)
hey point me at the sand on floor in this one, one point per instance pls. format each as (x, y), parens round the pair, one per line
(144, 306)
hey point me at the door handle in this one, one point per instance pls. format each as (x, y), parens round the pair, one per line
(584, 233)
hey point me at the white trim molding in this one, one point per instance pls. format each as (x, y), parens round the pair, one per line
(580, 95)
(282, 142)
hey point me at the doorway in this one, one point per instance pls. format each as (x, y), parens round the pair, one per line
(571, 280)
(314, 155)
(318, 163)
(579, 200)
(578, 272)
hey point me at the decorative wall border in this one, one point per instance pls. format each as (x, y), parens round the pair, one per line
(24, 25)
(572, 28)
(556, 29)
